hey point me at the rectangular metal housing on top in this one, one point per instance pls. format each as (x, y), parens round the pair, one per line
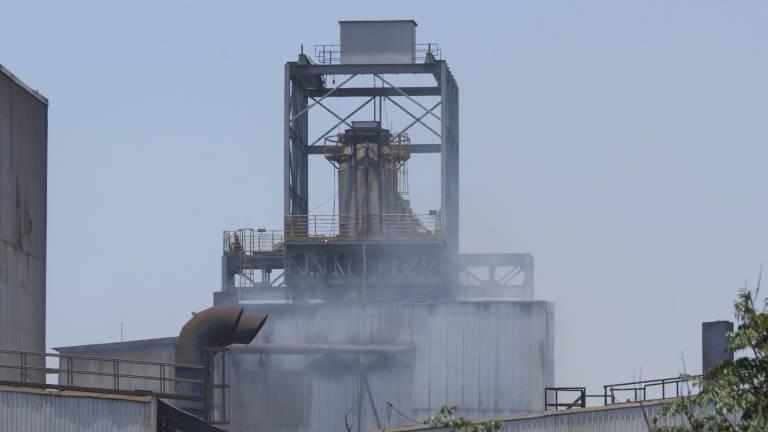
(378, 42)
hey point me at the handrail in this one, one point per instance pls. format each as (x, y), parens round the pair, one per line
(249, 241)
(357, 227)
(35, 362)
(640, 389)
(327, 54)
(82, 357)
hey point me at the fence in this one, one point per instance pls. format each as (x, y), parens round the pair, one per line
(636, 391)
(97, 373)
(254, 241)
(358, 227)
(327, 54)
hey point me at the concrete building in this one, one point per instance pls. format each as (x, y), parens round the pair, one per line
(23, 192)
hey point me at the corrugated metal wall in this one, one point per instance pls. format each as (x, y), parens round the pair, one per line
(488, 358)
(616, 418)
(38, 411)
(23, 186)
(153, 350)
(378, 42)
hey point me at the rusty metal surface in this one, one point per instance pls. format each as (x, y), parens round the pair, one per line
(217, 326)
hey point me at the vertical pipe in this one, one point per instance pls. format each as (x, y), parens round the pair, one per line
(224, 386)
(23, 367)
(116, 371)
(714, 344)
(287, 141)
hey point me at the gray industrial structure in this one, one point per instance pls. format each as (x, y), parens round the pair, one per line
(375, 317)
(23, 189)
(38, 409)
(372, 308)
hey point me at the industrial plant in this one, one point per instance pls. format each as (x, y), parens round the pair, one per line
(362, 314)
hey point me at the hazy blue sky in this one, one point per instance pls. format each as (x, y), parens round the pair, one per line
(622, 143)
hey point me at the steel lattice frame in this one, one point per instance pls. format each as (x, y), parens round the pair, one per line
(305, 90)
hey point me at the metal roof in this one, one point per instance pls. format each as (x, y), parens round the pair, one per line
(116, 345)
(511, 421)
(21, 84)
(378, 21)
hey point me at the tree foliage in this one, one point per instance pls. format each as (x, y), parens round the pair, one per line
(733, 397)
(446, 419)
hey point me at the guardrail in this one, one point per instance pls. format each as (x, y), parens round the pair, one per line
(560, 393)
(635, 391)
(251, 241)
(360, 227)
(327, 54)
(100, 374)
(647, 390)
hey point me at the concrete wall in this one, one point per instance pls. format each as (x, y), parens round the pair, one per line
(23, 191)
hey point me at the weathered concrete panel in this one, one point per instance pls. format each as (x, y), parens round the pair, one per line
(23, 215)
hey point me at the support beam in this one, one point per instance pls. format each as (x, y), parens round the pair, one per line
(405, 110)
(415, 148)
(327, 94)
(367, 69)
(314, 349)
(375, 91)
(429, 111)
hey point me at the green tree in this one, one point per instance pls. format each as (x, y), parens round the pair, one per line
(446, 419)
(733, 397)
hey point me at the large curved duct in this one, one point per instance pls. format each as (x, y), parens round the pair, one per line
(216, 327)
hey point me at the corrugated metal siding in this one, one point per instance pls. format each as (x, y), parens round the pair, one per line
(488, 358)
(154, 350)
(37, 412)
(615, 418)
(23, 189)
(378, 42)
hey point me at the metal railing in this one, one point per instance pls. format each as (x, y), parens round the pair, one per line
(100, 374)
(553, 397)
(359, 227)
(327, 54)
(647, 390)
(636, 391)
(251, 241)
(424, 49)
